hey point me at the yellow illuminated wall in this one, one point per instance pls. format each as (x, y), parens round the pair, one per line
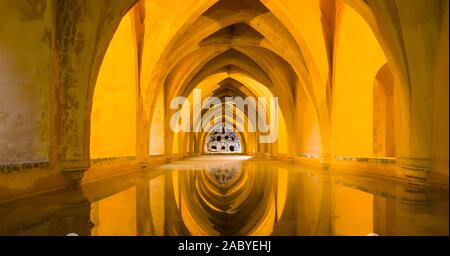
(358, 59)
(308, 133)
(283, 146)
(157, 127)
(113, 119)
(311, 132)
(383, 114)
(175, 144)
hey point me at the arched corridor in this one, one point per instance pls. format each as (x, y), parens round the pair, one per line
(224, 117)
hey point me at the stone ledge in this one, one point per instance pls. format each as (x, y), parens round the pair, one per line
(376, 160)
(14, 167)
(416, 170)
(306, 155)
(110, 159)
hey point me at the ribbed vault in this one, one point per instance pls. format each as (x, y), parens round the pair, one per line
(238, 41)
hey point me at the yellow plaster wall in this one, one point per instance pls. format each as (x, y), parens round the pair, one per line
(113, 118)
(157, 127)
(25, 80)
(358, 59)
(311, 132)
(283, 143)
(175, 143)
(308, 133)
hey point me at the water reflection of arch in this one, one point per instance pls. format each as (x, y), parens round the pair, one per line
(224, 176)
(308, 206)
(246, 206)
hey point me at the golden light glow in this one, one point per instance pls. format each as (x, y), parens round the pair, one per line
(362, 132)
(358, 59)
(113, 125)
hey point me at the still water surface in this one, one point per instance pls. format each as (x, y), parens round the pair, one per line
(232, 195)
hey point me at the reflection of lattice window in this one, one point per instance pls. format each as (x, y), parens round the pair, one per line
(224, 141)
(224, 174)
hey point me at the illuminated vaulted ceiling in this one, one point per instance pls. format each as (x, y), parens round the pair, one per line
(235, 48)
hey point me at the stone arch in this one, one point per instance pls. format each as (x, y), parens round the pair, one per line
(78, 56)
(410, 50)
(114, 102)
(383, 116)
(79, 52)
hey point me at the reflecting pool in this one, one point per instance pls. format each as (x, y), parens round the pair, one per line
(232, 195)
